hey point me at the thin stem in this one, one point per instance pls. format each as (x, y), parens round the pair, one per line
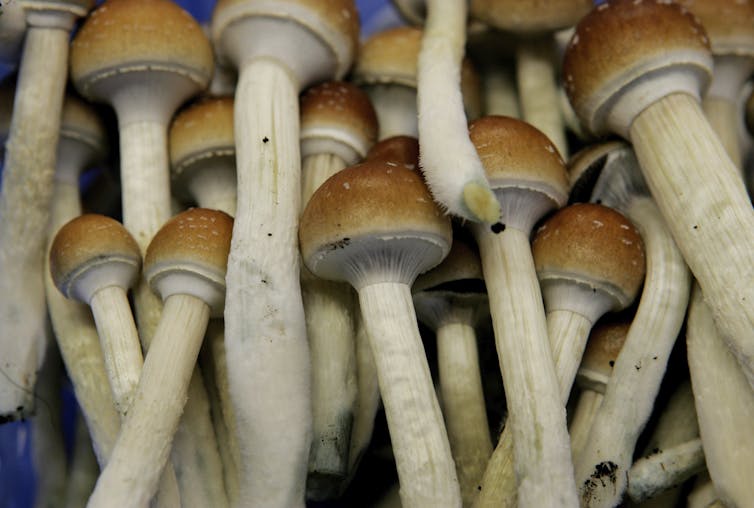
(215, 187)
(265, 330)
(707, 211)
(499, 91)
(420, 443)
(463, 405)
(315, 169)
(583, 416)
(568, 332)
(131, 476)
(672, 466)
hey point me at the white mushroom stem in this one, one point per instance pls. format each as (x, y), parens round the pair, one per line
(536, 412)
(639, 368)
(724, 405)
(25, 206)
(581, 422)
(463, 403)
(395, 106)
(651, 475)
(215, 188)
(315, 169)
(143, 445)
(703, 494)
(265, 330)
(708, 212)
(500, 96)
(449, 161)
(420, 443)
(538, 89)
(722, 116)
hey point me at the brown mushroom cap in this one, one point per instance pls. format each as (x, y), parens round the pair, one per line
(530, 16)
(389, 56)
(461, 264)
(379, 213)
(80, 122)
(605, 343)
(337, 117)
(203, 129)
(729, 24)
(189, 255)
(335, 22)
(622, 42)
(594, 246)
(399, 149)
(91, 252)
(139, 35)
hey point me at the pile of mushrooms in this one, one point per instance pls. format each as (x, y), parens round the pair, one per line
(278, 309)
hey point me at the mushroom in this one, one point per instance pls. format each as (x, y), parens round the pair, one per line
(730, 27)
(376, 227)
(185, 264)
(530, 180)
(451, 299)
(636, 69)
(535, 24)
(279, 49)
(639, 369)
(25, 196)
(605, 342)
(724, 405)
(338, 126)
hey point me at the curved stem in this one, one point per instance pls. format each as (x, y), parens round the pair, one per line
(420, 443)
(265, 330)
(536, 412)
(707, 211)
(463, 404)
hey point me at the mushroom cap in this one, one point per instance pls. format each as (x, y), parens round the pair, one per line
(605, 343)
(335, 22)
(461, 264)
(337, 117)
(75, 7)
(123, 36)
(585, 166)
(92, 252)
(625, 55)
(729, 24)
(399, 149)
(373, 222)
(80, 122)
(533, 16)
(202, 130)
(189, 255)
(389, 56)
(594, 246)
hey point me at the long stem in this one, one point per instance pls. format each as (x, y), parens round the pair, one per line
(420, 443)
(583, 416)
(24, 212)
(315, 169)
(672, 466)
(265, 331)
(640, 367)
(143, 446)
(463, 404)
(568, 332)
(707, 210)
(722, 116)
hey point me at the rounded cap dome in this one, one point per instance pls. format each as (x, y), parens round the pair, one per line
(389, 56)
(625, 55)
(729, 24)
(337, 117)
(461, 264)
(375, 221)
(591, 245)
(530, 16)
(92, 252)
(189, 255)
(399, 149)
(81, 122)
(137, 35)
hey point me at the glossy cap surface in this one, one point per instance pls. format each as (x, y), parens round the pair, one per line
(605, 343)
(389, 56)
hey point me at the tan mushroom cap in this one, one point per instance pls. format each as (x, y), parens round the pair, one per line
(203, 129)
(81, 122)
(335, 22)
(389, 56)
(729, 24)
(515, 153)
(461, 263)
(136, 35)
(399, 149)
(193, 246)
(376, 201)
(530, 16)
(341, 112)
(605, 343)
(75, 7)
(592, 245)
(619, 43)
(585, 166)
(87, 243)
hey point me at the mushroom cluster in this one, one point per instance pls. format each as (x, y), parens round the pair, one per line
(337, 267)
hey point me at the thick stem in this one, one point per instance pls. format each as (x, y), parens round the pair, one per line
(603, 463)
(396, 109)
(265, 330)
(120, 344)
(420, 443)
(568, 332)
(27, 184)
(704, 202)
(538, 89)
(537, 416)
(463, 405)
(583, 416)
(722, 115)
(131, 476)
(215, 187)
(724, 406)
